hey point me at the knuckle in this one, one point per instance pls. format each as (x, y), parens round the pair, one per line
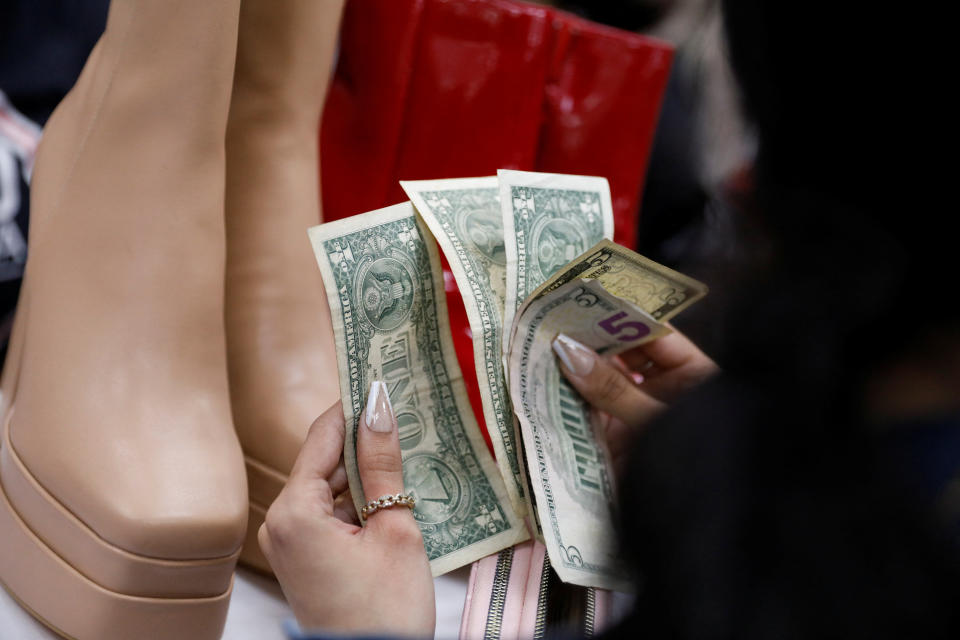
(263, 539)
(689, 378)
(608, 387)
(316, 427)
(706, 370)
(381, 461)
(278, 524)
(327, 423)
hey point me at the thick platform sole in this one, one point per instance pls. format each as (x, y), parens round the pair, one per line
(76, 607)
(107, 565)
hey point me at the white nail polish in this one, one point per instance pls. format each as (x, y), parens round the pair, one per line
(577, 358)
(379, 413)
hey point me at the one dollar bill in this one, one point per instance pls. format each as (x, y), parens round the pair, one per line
(381, 271)
(464, 216)
(548, 220)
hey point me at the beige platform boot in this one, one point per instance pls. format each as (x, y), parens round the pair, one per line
(283, 368)
(123, 502)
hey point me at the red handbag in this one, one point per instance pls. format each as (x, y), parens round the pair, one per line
(458, 88)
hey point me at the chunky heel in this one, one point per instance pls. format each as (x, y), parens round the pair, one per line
(75, 607)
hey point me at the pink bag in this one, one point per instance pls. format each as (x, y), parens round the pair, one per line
(516, 594)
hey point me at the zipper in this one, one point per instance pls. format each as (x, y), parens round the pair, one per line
(498, 596)
(590, 613)
(540, 626)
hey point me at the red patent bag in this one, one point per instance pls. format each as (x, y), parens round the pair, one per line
(459, 88)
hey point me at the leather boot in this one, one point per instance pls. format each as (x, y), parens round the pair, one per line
(283, 367)
(122, 490)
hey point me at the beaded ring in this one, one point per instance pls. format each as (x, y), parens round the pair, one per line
(385, 502)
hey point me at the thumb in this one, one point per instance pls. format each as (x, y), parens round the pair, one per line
(378, 450)
(602, 384)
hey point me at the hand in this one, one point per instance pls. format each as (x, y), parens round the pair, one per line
(336, 575)
(632, 389)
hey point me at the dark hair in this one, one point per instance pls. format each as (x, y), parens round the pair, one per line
(765, 504)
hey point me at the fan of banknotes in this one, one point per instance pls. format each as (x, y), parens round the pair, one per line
(533, 257)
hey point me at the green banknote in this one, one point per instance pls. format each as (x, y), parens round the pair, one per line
(381, 271)
(548, 220)
(569, 469)
(464, 216)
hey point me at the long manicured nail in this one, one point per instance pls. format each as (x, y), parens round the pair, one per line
(576, 357)
(379, 415)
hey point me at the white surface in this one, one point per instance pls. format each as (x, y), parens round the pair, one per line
(257, 610)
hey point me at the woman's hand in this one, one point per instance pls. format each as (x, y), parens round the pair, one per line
(336, 575)
(630, 390)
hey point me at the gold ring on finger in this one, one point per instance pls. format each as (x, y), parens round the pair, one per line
(386, 502)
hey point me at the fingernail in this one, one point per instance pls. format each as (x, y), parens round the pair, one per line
(575, 356)
(379, 416)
